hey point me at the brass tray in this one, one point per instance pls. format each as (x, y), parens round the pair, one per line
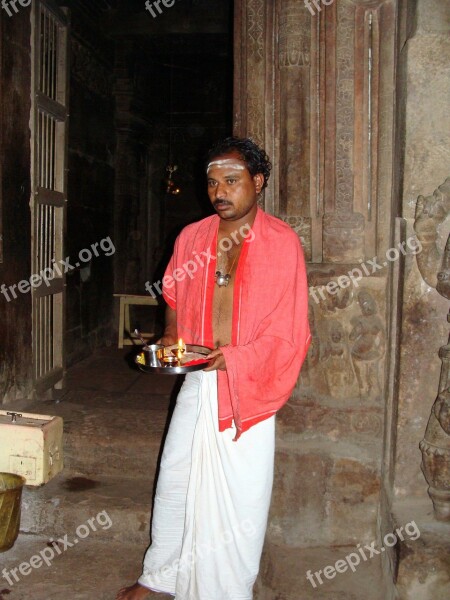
(177, 370)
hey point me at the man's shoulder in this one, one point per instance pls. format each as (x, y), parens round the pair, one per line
(197, 227)
(276, 228)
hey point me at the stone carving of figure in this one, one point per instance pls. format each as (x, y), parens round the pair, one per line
(435, 446)
(431, 212)
(312, 358)
(441, 410)
(436, 456)
(338, 365)
(341, 300)
(443, 277)
(368, 346)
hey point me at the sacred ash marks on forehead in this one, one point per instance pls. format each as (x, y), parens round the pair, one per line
(234, 163)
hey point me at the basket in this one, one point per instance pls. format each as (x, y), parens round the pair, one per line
(10, 503)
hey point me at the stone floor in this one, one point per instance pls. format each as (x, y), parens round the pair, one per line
(115, 420)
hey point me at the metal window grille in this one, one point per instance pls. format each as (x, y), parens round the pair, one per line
(49, 121)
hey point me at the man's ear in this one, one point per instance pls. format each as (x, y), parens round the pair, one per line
(259, 182)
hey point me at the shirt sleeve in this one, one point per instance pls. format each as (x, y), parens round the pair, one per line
(168, 283)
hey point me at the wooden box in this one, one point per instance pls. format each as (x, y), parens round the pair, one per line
(31, 445)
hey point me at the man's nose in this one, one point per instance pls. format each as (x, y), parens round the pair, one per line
(220, 190)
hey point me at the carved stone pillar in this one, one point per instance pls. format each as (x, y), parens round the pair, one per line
(318, 92)
(294, 52)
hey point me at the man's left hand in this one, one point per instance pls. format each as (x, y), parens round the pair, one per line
(217, 361)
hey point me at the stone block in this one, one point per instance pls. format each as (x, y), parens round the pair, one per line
(336, 422)
(321, 498)
(284, 569)
(298, 508)
(352, 507)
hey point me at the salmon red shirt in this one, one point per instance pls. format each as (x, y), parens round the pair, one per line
(270, 330)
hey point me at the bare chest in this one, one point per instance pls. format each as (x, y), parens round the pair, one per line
(222, 317)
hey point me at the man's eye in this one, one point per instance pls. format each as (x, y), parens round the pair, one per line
(211, 183)
(231, 180)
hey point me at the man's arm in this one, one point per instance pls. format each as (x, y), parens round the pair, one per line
(170, 331)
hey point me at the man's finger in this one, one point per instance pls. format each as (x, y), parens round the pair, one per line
(212, 366)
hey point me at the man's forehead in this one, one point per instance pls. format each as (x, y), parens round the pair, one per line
(227, 162)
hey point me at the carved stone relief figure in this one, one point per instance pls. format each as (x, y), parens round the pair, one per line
(337, 363)
(294, 56)
(255, 70)
(368, 346)
(348, 341)
(431, 212)
(342, 299)
(312, 358)
(443, 277)
(302, 227)
(435, 449)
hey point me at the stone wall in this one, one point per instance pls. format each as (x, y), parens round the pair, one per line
(15, 227)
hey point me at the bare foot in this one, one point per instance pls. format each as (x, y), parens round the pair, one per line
(134, 592)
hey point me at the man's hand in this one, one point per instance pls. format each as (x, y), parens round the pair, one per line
(217, 361)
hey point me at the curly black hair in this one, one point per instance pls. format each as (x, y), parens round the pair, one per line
(255, 157)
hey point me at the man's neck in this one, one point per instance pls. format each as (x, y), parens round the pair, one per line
(228, 227)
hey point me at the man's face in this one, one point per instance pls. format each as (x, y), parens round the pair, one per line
(232, 190)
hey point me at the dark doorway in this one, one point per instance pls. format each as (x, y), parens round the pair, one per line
(149, 91)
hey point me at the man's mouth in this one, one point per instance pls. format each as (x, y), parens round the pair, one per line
(221, 204)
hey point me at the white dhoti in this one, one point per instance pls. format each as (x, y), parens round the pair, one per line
(212, 501)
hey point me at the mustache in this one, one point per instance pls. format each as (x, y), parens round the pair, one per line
(221, 201)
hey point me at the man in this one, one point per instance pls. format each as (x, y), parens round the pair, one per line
(248, 300)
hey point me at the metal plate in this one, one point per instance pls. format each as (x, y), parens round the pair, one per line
(178, 370)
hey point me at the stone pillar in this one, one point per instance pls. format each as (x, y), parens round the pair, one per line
(318, 91)
(423, 132)
(318, 96)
